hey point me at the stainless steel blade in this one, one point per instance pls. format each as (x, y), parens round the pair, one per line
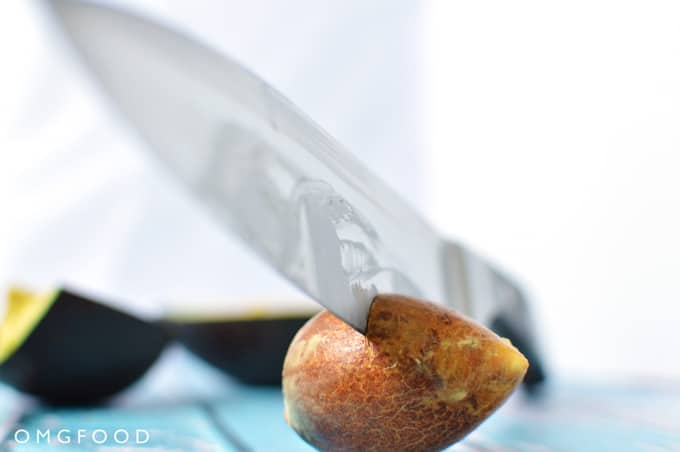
(273, 177)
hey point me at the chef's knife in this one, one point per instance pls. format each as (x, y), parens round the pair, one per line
(274, 178)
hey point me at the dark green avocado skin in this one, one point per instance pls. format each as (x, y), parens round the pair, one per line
(250, 350)
(82, 352)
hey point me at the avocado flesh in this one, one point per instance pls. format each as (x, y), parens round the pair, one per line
(24, 311)
(252, 314)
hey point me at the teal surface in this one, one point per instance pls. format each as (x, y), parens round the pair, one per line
(577, 417)
(184, 405)
(11, 408)
(256, 415)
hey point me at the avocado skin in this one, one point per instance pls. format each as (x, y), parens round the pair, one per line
(82, 352)
(252, 351)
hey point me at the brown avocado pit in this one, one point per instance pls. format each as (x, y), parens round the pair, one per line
(421, 378)
(250, 347)
(70, 350)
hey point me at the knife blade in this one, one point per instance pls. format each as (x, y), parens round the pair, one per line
(273, 177)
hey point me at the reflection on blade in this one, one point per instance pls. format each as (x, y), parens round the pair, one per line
(259, 166)
(303, 226)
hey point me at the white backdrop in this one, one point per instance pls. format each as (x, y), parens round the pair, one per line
(555, 146)
(549, 140)
(80, 203)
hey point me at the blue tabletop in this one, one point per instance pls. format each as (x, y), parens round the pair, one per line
(184, 405)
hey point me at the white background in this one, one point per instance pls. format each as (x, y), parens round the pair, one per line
(555, 147)
(85, 206)
(546, 135)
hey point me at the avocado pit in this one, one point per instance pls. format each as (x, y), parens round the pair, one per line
(421, 378)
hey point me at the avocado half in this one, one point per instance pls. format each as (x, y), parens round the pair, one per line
(69, 350)
(250, 348)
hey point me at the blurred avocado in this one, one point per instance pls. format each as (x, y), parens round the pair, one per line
(250, 347)
(67, 349)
